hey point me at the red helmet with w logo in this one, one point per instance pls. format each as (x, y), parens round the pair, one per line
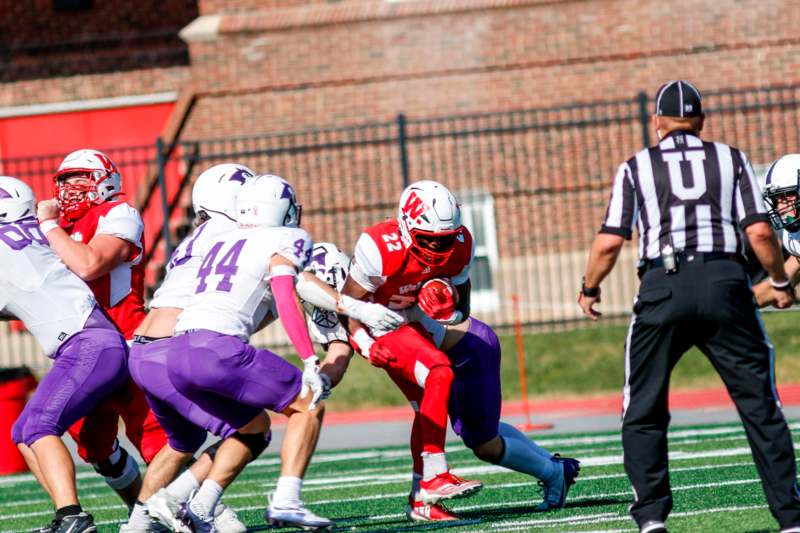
(101, 181)
(430, 221)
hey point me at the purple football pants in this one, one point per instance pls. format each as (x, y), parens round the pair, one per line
(475, 396)
(229, 378)
(87, 368)
(184, 422)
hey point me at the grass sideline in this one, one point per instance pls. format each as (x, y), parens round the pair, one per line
(714, 483)
(575, 362)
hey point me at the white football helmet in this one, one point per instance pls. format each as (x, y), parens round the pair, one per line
(329, 264)
(782, 193)
(105, 182)
(430, 220)
(215, 190)
(267, 201)
(16, 200)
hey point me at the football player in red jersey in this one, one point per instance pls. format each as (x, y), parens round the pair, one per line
(392, 260)
(99, 238)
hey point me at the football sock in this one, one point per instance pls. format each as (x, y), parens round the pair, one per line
(139, 516)
(183, 486)
(206, 498)
(287, 491)
(521, 458)
(433, 464)
(433, 409)
(507, 431)
(415, 479)
(68, 510)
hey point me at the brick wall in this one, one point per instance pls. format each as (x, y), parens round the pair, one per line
(112, 35)
(355, 61)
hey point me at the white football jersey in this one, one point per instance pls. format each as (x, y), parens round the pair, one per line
(232, 292)
(791, 241)
(37, 288)
(180, 282)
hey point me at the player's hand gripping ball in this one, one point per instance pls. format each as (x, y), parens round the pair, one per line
(438, 298)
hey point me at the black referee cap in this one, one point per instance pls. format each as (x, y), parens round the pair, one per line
(678, 98)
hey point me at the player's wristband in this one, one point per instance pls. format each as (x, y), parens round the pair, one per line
(364, 341)
(589, 292)
(49, 224)
(781, 286)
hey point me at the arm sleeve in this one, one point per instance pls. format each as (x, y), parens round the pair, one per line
(296, 246)
(367, 264)
(749, 200)
(622, 207)
(124, 222)
(289, 313)
(463, 276)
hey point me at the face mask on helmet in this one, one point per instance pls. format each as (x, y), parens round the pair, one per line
(430, 222)
(781, 189)
(783, 205)
(85, 178)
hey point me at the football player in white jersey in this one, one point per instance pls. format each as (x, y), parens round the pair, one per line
(87, 350)
(781, 189)
(214, 201)
(246, 280)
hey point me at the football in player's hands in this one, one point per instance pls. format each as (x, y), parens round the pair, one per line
(438, 298)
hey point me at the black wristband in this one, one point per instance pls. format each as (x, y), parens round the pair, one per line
(589, 292)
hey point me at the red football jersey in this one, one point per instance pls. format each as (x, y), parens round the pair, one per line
(385, 266)
(121, 291)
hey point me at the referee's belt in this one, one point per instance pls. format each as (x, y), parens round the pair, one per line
(689, 257)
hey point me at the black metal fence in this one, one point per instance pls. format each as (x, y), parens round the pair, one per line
(533, 184)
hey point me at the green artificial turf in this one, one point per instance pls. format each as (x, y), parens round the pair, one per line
(714, 483)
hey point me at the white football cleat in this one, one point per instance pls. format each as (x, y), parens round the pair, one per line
(226, 520)
(197, 519)
(163, 507)
(296, 516)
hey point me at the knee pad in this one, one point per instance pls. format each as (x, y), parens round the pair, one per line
(255, 442)
(119, 470)
(211, 451)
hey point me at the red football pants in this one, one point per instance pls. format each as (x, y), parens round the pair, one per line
(96, 432)
(423, 374)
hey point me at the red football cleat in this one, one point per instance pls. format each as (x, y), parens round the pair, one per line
(446, 486)
(417, 511)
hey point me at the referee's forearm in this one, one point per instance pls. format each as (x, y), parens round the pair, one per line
(602, 258)
(767, 249)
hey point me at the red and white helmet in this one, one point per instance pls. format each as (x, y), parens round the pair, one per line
(430, 221)
(105, 182)
(16, 200)
(215, 190)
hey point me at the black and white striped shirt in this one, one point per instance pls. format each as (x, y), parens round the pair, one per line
(687, 193)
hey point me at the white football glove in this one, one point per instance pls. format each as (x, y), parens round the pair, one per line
(375, 316)
(312, 381)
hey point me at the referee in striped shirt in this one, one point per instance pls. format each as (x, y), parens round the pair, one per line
(688, 199)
